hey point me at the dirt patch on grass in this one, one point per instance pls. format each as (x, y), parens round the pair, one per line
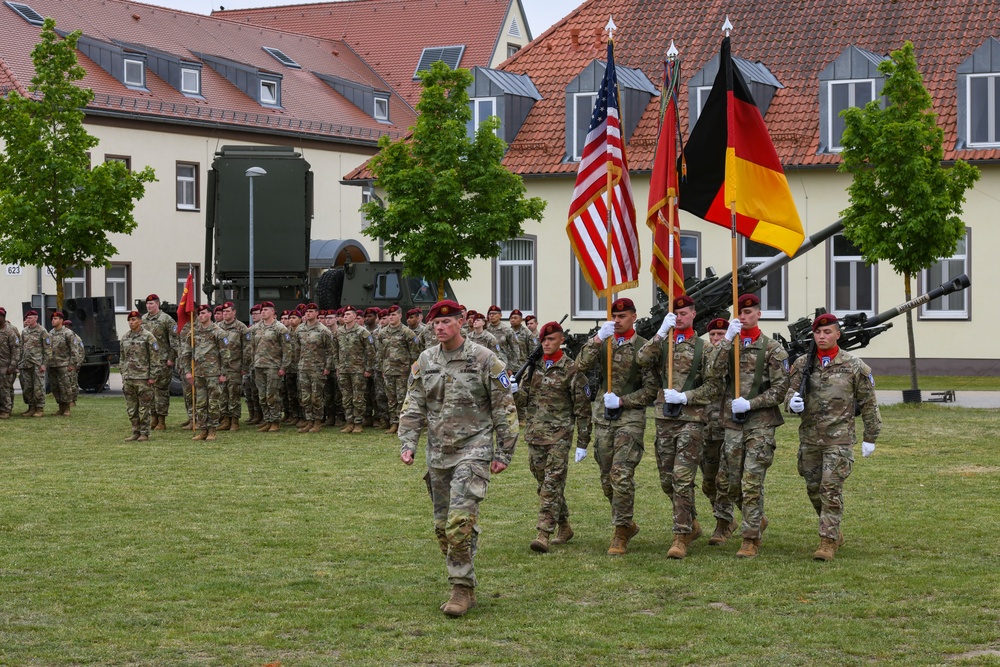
(976, 653)
(972, 470)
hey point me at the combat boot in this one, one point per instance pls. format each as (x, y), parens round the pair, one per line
(696, 531)
(135, 432)
(749, 548)
(357, 429)
(30, 412)
(183, 424)
(679, 548)
(161, 423)
(723, 530)
(234, 425)
(201, 434)
(132, 438)
(65, 409)
(225, 423)
(264, 427)
(367, 421)
(462, 600)
(252, 421)
(619, 541)
(143, 438)
(316, 427)
(39, 412)
(348, 429)
(563, 534)
(59, 412)
(540, 543)
(4, 415)
(211, 435)
(274, 427)
(827, 548)
(392, 430)
(306, 427)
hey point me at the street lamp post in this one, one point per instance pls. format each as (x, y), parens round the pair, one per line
(251, 173)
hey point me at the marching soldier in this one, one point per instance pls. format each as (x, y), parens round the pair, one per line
(680, 430)
(212, 358)
(748, 449)
(62, 353)
(271, 355)
(508, 348)
(249, 381)
(140, 361)
(317, 355)
(163, 327)
(715, 434)
(556, 399)
(35, 351)
(10, 357)
(837, 383)
(400, 348)
(355, 359)
(240, 350)
(620, 418)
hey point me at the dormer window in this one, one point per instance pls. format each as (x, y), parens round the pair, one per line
(843, 95)
(135, 73)
(762, 84)
(482, 108)
(262, 86)
(979, 97)
(190, 81)
(852, 80)
(269, 92)
(506, 95)
(583, 110)
(381, 108)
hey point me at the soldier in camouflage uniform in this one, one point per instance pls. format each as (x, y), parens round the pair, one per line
(748, 449)
(317, 357)
(35, 351)
(271, 355)
(370, 324)
(618, 442)
(140, 358)
(212, 358)
(521, 339)
(414, 320)
(79, 356)
(163, 327)
(333, 398)
(556, 398)
(531, 322)
(508, 348)
(290, 391)
(479, 335)
(62, 352)
(838, 383)
(400, 348)
(680, 431)
(10, 356)
(240, 350)
(249, 381)
(355, 360)
(459, 392)
(715, 434)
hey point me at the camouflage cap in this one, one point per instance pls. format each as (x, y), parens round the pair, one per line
(446, 308)
(825, 320)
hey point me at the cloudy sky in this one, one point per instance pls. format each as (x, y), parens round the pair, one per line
(541, 13)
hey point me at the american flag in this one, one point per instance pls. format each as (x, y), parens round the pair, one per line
(588, 227)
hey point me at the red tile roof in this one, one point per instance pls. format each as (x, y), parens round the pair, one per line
(795, 39)
(309, 106)
(391, 34)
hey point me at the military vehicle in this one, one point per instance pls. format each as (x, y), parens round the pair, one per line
(376, 284)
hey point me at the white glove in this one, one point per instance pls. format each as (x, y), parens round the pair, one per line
(796, 404)
(741, 404)
(669, 321)
(734, 329)
(867, 449)
(606, 331)
(612, 401)
(675, 397)
(513, 387)
(581, 454)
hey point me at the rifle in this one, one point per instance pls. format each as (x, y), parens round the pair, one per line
(529, 363)
(807, 371)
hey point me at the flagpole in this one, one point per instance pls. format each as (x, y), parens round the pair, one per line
(730, 183)
(609, 205)
(671, 203)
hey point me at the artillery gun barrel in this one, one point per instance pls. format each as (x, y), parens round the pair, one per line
(810, 242)
(954, 285)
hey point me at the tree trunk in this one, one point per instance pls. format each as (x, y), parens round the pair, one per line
(59, 276)
(440, 284)
(909, 332)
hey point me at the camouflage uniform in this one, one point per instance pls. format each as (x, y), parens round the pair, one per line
(508, 346)
(333, 397)
(240, 353)
(463, 402)
(618, 444)
(555, 399)
(521, 338)
(748, 449)
(10, 357)
(680, 440)
(400, 348)
(250, 381)
(61, 355)
(271, 353)
(290, 382)
(35, 350)
(356, 356)
(487, 340)
(428, 339)
(141, 359)
(212, 358)
(316, 354)
(163, 327)
(826, 433)
(79, 355)
(715, 434)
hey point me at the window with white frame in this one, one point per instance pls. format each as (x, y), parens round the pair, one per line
(954, 306)
(366, 197)
(182, 276)
(515, 276)
(690, 260)
(983, 110)
(135, 76)
(512, 49)
(772, 295)
(187, 186)
(586, 303)
(116, 285)
(269, 92)
(852, 281)
(482, 108)
(583, 111)
(75, 284)
(381, 108)
(844, 95)
(701, 96)
(190, 81)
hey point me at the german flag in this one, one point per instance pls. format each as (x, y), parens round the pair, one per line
(730, 158)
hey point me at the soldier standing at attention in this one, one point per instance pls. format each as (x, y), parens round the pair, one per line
(62, 352)
(748, 450)
(140, 358)
(271, 355)
(531, 322)
(290, 395)
(480, 336)
(240, 345)
(459, 392)
(414, 321)
(217, 314)
(715, 434)
(10, 356)
(212, 357)
(400, 348)
(521, 339)
(164, 329)
(837, 382)
(556, 399)
(680, 414)
(249, 381)
(333, 399)
(620, 418)
(35, 350)
(508, 348)
(317, 356)
(356, 356)
(79, 355)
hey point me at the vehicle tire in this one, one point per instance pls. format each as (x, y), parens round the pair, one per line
(92, 378)
(330, 288)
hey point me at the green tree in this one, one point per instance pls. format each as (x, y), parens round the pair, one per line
(54, 210)
(905, 206)
(448, 197)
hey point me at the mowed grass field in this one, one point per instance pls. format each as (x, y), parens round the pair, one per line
(318, 550)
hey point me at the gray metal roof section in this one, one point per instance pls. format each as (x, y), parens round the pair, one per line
(873, 57)
(757, 71)
(512, 84)
(333, 252)
(629, 77)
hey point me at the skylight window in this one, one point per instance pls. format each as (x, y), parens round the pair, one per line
(134, 73)
(281, 57)
(269, 92)
(381, 108)
(190, 81)
(26, 13)
(450, 55)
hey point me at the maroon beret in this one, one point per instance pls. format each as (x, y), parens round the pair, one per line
(266, 304)
(3, 312)
(301, 306)
(825, 320)
(477, 316)
(59, 314)
(683, 301)
(515, 312)
(153, 297)
(229, 304)
(471, 313)
(621, 305)
(31, 312)
(446, 308)
(204, 308)
(748, 301)
(371, 310)
(494, 309)
(311, 306)
(530, 318)
(549, 328)
(296, 313)
(349, 309)
(394, 308)
(718, 323)
(217, 309)
(413, 311)
(383, 312)
(256, 308)
(68, 323)
(133, 313)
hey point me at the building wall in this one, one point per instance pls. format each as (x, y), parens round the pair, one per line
(505, 38)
